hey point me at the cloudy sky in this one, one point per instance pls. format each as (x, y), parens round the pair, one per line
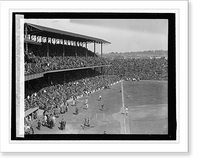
(125, 35)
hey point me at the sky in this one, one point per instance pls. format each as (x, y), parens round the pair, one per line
(125, 35)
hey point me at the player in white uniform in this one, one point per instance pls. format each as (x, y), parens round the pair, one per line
(99, 98)
(126, 111)
(86, 106)
(86, 101)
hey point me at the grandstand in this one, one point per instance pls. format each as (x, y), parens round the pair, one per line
(48, 49)
(56, 58)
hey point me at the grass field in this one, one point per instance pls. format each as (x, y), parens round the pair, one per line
(146, 101)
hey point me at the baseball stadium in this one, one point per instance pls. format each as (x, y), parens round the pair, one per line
(70, 89)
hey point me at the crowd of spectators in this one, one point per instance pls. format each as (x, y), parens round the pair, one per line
(139, 68)
(57, 92)
(57, 50)
(43, 64)
(37, 61)
(46, 95)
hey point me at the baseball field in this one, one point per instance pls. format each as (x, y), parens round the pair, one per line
(146, 101)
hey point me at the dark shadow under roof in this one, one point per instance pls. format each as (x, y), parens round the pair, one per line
(66, 35)
(39, 75)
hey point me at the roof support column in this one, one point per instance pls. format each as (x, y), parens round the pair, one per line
(47, 47)
(76, 49)
(101, 49)
(101, 57)
(63, 48)
(86, 48)
(26, 35)
(94, 48)
(67, 44)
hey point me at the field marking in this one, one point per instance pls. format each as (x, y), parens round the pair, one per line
(125, 125)
(146, 105)
(124, 122)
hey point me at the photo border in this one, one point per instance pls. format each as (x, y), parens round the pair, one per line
(181, 145)
(172, 129)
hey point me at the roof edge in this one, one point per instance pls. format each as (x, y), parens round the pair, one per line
(75, 35)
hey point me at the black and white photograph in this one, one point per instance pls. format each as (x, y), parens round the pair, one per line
(89, 77)
(103, 77)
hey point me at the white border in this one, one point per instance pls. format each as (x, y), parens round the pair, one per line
(21, 77)
(19, 33)
(181, 145)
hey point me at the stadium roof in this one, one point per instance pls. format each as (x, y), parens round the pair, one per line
(51, 32)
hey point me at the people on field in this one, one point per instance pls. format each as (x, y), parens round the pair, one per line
(126, 111)
(86, 101)
(102, 107)
(86, 122)
(86, 106)
(73, 102)
(76, 111)
(99, 98)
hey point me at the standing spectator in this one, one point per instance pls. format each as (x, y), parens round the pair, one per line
(38, 124)
(62, 109)
(67, 107)
(54, 120)
(29, 118)
(62, 124)
(45, 120)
